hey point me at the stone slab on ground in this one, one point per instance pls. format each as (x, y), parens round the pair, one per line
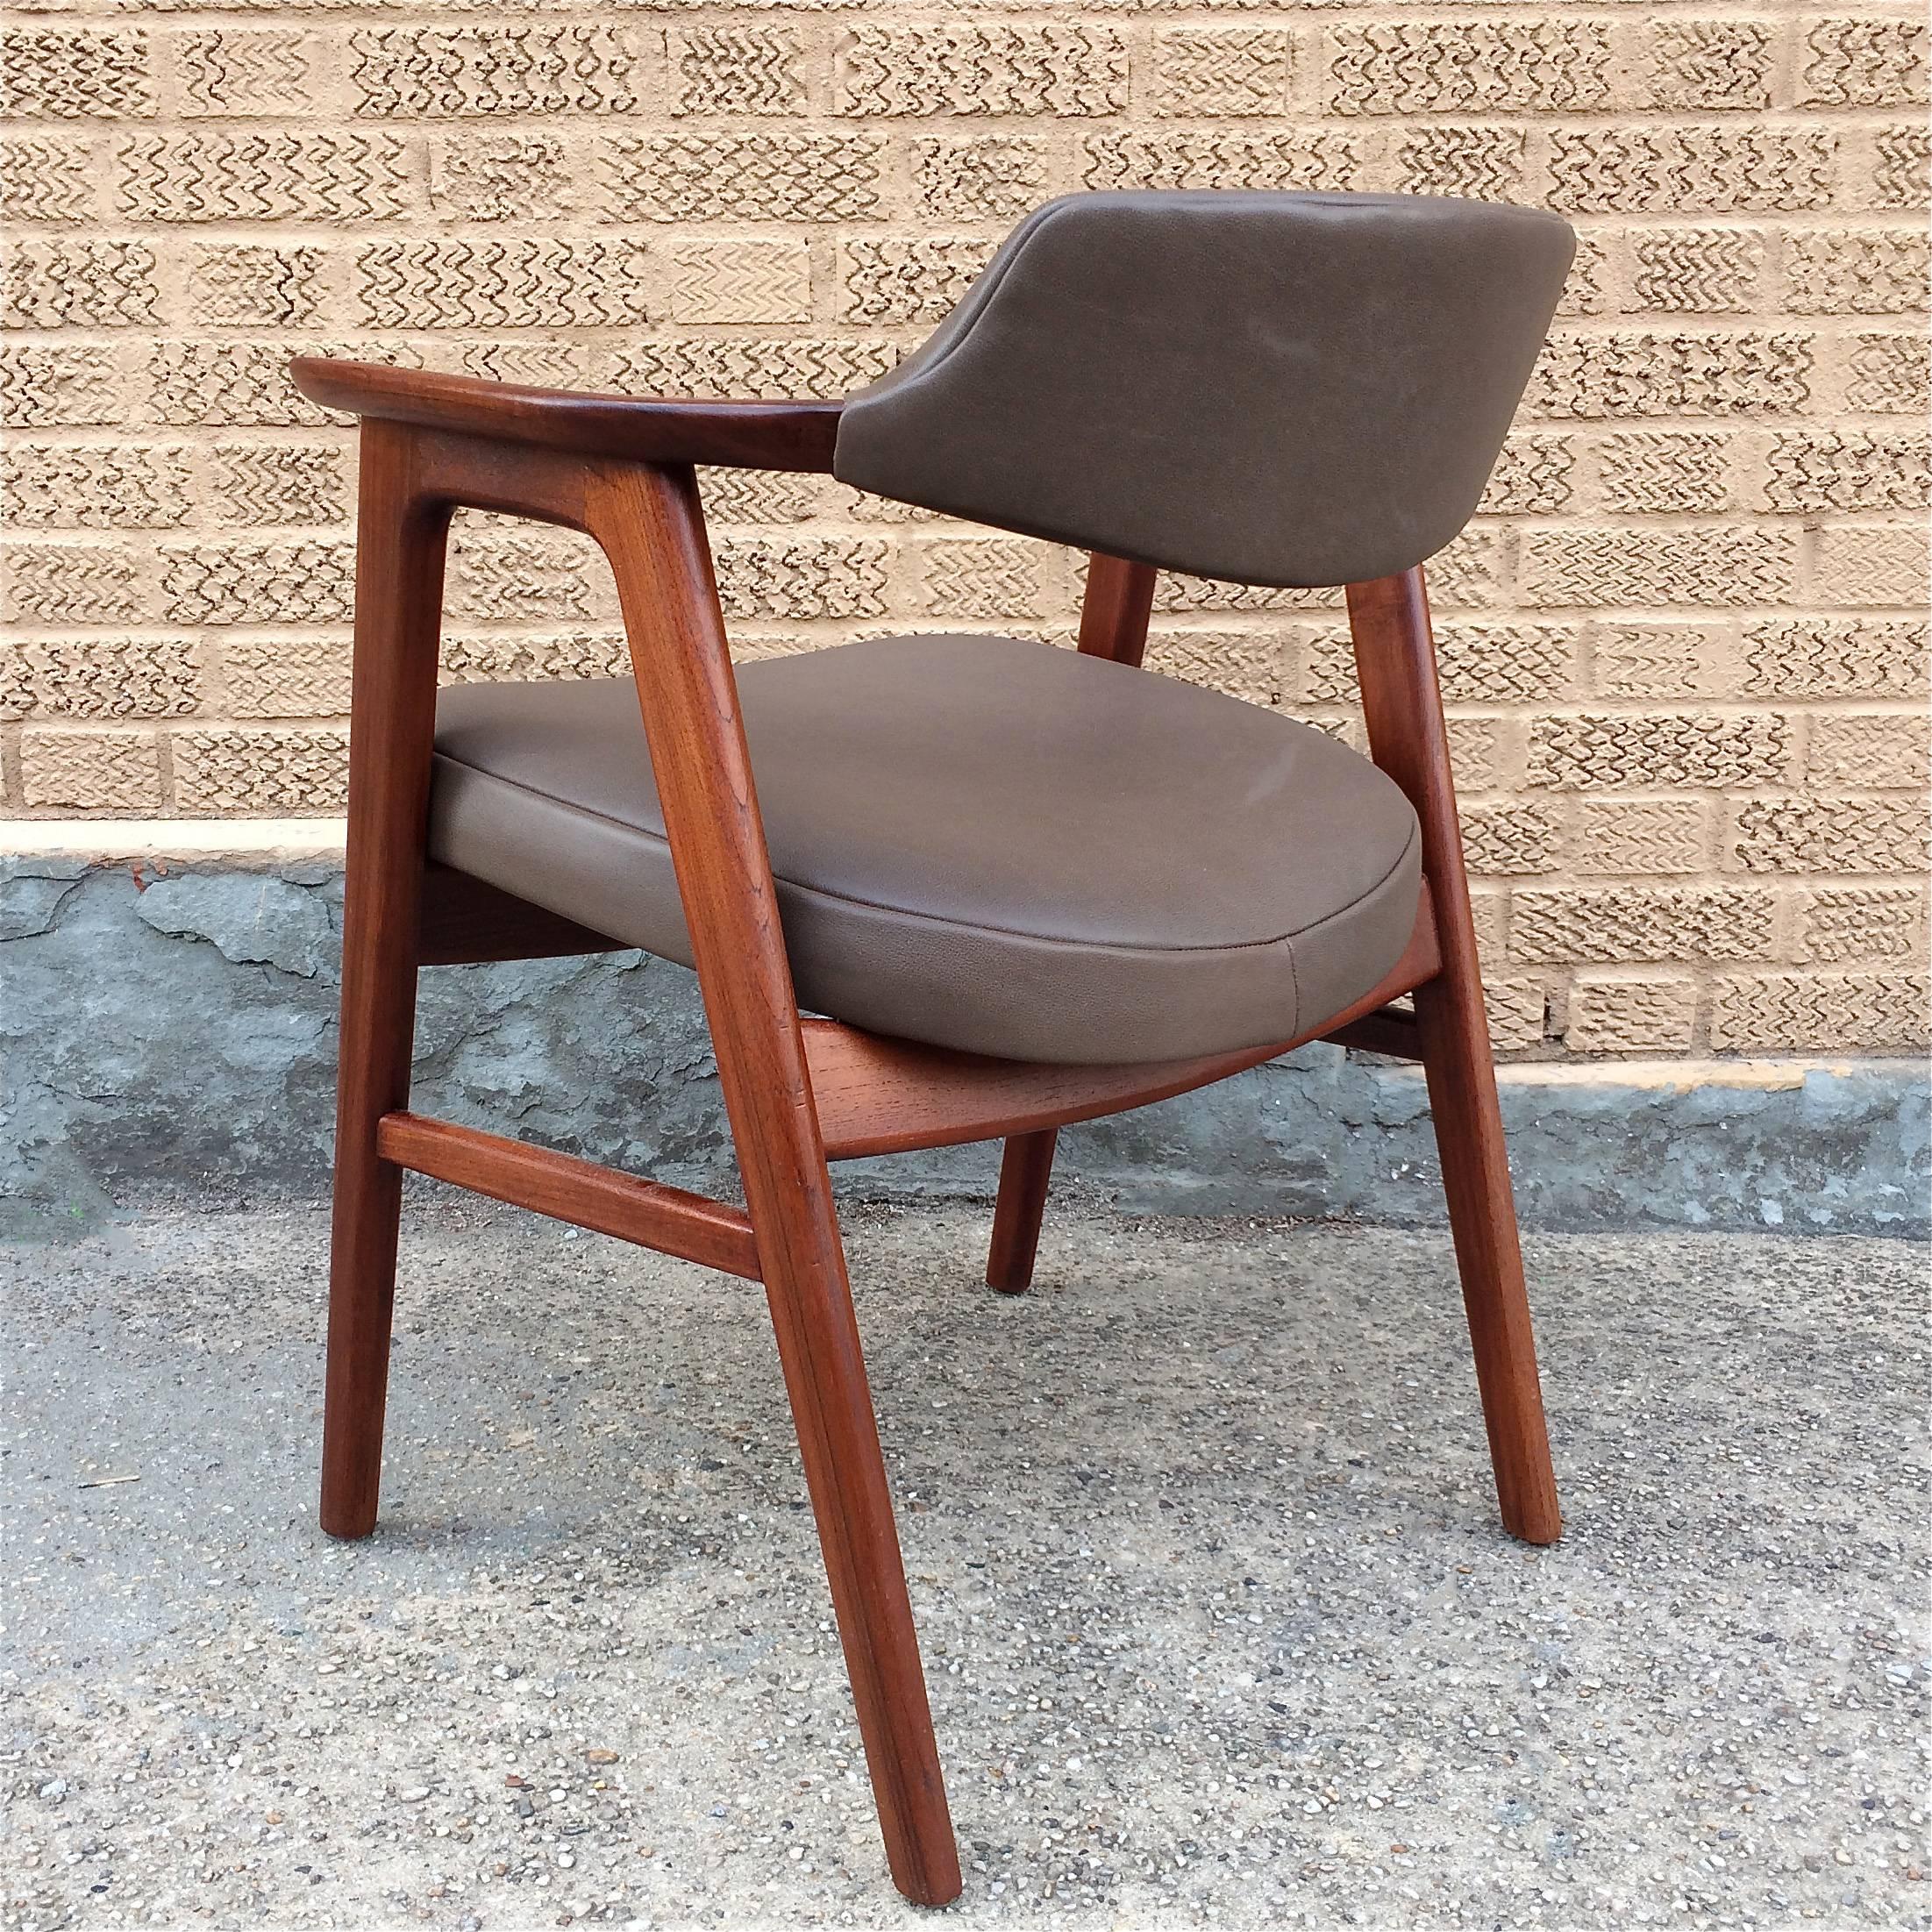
(1220, 1624)
(170, 1029)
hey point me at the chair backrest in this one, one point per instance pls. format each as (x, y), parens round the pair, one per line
(1273, 389)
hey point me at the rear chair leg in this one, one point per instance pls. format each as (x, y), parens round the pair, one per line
(1026, 1171)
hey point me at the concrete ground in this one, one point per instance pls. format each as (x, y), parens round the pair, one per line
(1220, 1624)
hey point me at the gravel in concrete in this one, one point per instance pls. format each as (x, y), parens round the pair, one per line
(1220, 1624)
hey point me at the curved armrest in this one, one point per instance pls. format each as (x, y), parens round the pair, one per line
(787, 436)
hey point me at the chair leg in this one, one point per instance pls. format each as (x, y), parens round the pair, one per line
(399, 589)
(652, 531)
(1026, 1171)
(1482, 1217)
(368, 1213)
(818, 1345)
(1402, 702)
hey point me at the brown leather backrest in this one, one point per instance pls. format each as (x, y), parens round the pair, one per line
(1273, 389)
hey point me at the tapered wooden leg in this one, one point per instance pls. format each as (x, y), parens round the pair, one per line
(845, 1473)
(1395, 659)
(399, 587)
(650, 527)
(1114, 613)
(1482, 1217)
(1026, 1171)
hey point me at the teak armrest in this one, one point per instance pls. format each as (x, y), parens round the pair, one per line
(780, 436)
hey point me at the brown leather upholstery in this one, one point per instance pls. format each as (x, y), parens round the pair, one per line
(1274, 388)
(978, 842)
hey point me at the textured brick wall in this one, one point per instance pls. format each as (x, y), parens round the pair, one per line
(1684, 647)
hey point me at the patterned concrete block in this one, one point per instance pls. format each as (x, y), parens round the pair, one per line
(1457, 67)
(982, 577)
(284, 677)
(1854, 922)
(735, 70)
(1848, 470)
(1511, 840)
(1222, 71)
(1642, 837)
(1871, 565)
(1835, 658)
(115, 677)
(1867, 751)
(1659, 660)
(277, 771)
(70, 583)
(1304, 158)
(88, 771)
(1672, 470)
(751, 365)
(766, 175)
(1889, 374)
(76, 284)
(521, 283)
(253, 285)
(76, 74)
(1699, 564)
(47, 178)
(524, 70)
(492, 657)
(1824, 834)
(1721, 64)
(1627, 924)
(244, 384)
(1648, 1016)
(87, 485)
(1533, 477)
(1856, 270)
(740, 280)
(1485, 163)
(1631, 372)
(993, 177)
(502, 571)
(1863, 61)
(497, 175)
(266, 176)
(802, 578)
(1901, 171)
(907, 278)
(1657, 750)
(282, 483)
(1001, 68)
(1681, 169)
(1697, 271)
(1818, 1013)
(226, 581)
(244, 73)
(58, 388)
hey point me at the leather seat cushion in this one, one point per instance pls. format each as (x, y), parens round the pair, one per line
(978, 842)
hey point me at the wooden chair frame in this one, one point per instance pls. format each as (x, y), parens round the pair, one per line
(798, 1093)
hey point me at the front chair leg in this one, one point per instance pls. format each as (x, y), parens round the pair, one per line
(398, 602)
(651, 527)
(818, 1346)
(1026, 1171)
